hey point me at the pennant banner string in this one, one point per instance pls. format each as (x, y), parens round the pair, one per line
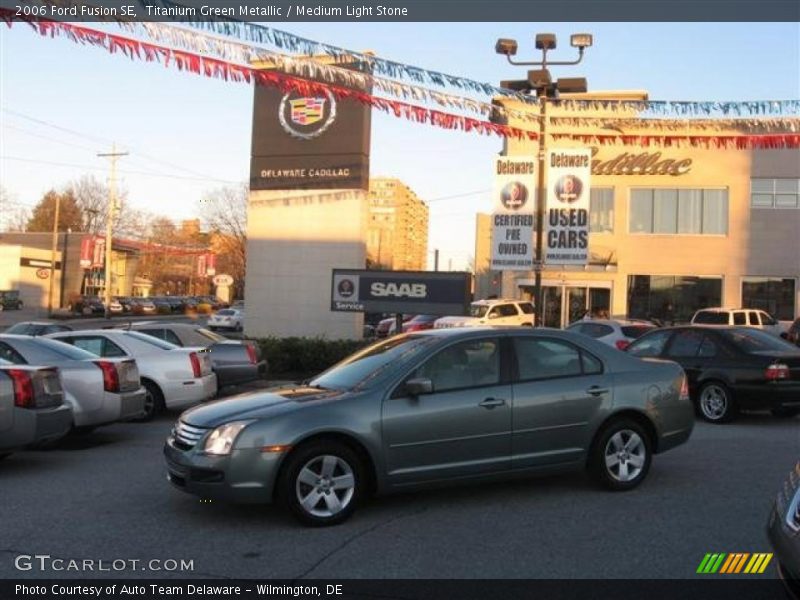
(216, 68)
(368, 63)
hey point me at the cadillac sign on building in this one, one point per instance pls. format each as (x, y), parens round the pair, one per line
(419, 292)
(310, 140)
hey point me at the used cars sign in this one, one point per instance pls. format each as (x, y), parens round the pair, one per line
(420, 292)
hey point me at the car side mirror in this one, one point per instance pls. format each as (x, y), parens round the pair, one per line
(419, 386)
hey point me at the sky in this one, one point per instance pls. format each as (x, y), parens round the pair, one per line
(62, 103)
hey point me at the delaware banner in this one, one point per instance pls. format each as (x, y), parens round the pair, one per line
(567, 216)
(512, 216)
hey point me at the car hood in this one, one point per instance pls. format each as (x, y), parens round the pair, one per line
(254, 405)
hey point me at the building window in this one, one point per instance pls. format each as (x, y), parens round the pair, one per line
(775, 193)
(687, 211)
(770, 294)
(601, 210)
(669, 298)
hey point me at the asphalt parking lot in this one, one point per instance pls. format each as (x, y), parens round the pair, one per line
(104, 496)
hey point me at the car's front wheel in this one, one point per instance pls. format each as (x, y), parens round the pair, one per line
(715, 402)
(322, 483)
(621, 455)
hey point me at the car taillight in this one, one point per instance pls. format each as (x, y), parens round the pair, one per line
(776, 371)
(684, 388)
(251, 354)
(195, 363)
(110, 375)
(23, 388)
(622, 344)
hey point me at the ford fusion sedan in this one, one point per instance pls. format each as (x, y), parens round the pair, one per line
(32, 409)
(783, 530)
(730, 368)
(99, 392)
(430, 407)
(172, 377)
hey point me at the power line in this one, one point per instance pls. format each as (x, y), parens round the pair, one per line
(96, 168)
(105, 141)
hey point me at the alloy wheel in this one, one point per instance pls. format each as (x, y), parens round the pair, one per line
(625, 455)
(714, 402)
(325, 486)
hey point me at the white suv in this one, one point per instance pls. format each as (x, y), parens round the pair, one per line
(491, 312)
(741, 317)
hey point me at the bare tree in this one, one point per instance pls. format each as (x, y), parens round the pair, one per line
(92, 196)
(224, 211)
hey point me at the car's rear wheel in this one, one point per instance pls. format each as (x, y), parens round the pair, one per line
(153, 401)
(715, 402)
(322, 483)
(620, 457)
(786, 412)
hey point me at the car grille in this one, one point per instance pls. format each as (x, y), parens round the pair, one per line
(187, 436)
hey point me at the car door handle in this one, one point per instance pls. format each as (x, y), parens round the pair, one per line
(492, 402)
(596, 390)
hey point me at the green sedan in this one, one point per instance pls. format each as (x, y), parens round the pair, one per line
(430, 407)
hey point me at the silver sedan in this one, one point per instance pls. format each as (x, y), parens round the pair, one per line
(99, 391)
(430, 407)
(32, 409)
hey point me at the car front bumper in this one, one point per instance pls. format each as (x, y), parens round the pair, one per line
(786, 546)
(246, 476)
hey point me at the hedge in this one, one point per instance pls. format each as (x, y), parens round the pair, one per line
(296, 357)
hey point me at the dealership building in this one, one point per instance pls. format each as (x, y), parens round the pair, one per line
(672, 229)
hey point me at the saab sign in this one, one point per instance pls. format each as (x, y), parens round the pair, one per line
(419, 292)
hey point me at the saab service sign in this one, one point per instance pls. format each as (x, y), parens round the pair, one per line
(568, 186)
(419, 292)
(512, 216)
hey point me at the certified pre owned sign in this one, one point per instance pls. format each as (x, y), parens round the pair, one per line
(420, 292)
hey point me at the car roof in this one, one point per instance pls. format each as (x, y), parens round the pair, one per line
(487, 301)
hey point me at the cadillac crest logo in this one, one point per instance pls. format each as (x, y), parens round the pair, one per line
(307, 117)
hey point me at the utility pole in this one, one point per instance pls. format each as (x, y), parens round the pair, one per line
(53, 256)
(541, 202)
(112, 206)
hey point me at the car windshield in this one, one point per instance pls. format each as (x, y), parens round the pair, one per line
(371, 362)
(752, 341)
(226, 312)
(25, 329)
(710, 317)
(62, 349)
(478, 310)
(147, 339)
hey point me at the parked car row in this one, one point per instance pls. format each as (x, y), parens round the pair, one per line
(91, 305)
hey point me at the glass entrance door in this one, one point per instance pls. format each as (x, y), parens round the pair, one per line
(552, 305)
(575, 307)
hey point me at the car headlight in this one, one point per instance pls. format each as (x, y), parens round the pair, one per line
(221, 440)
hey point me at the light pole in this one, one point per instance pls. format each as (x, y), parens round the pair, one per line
(540, 81)
(112, 207)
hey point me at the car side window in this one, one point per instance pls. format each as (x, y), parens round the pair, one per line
(526, 308)
(155, 332)
(597, 330)
(753, 317)
(112, 350)
(708, 349)
(591, 364)
(539, 358)
(90, 344)
(170, 336)
(685, 343)
(508, 310)
(11, 355)
(473, 363)
(649, 345)
(766, 319)
(738, 319)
